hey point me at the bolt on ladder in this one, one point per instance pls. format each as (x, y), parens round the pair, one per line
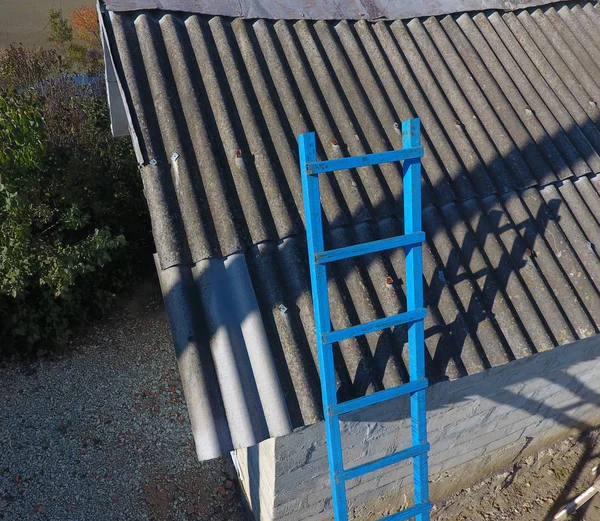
(413, 316)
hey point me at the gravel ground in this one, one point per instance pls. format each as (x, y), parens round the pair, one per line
(101, 432)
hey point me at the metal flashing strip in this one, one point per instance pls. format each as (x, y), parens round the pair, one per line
(323, 10)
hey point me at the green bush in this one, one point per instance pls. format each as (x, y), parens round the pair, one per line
(74, 228)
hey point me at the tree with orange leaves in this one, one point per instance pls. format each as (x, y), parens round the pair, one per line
(86, 49)
(84, 21)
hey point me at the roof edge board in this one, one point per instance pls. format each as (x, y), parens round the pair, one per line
(121, 121)
(323, 10)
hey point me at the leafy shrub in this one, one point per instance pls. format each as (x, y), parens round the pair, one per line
(77, 38)
(22, 67)
(73, 221)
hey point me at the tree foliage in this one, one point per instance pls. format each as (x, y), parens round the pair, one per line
(77, 38)
(84, 21)
(61, 32)
(73, 222)
(21, 132)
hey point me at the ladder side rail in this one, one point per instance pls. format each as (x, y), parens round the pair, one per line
(416, 335)
(318, 257)
(318, 275)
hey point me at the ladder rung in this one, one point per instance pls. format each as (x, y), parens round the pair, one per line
(378, 397)
(390, 459)
(345, 163)
(410, 239)
(413, 511)
(375, 325)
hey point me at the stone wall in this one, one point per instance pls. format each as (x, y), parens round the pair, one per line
(476, 425)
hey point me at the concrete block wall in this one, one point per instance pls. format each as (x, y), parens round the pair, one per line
(256, 466)
(476, 425)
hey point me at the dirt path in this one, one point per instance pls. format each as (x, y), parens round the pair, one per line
(535, 488)
(102, 433)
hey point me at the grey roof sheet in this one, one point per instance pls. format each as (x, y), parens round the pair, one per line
(511, 131)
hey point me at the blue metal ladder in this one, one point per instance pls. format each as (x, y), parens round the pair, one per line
(414, 316)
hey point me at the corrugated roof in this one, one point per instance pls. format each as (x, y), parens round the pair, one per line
(511, 131)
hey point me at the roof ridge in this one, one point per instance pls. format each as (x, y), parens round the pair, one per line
(371, 10)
